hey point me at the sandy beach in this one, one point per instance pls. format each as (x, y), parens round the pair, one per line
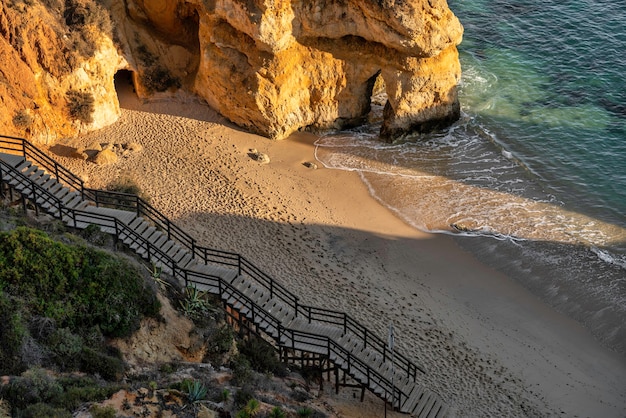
(490, 347)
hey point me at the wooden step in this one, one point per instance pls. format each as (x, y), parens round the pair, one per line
(23, 165)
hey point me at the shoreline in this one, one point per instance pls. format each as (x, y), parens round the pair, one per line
(490, 346)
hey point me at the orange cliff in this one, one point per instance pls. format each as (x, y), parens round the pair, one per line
(270, 66)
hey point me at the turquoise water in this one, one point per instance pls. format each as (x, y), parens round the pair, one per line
(532, 179)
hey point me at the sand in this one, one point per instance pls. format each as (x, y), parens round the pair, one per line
(490, 347)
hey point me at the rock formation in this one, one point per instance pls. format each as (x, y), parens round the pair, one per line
(270, 66)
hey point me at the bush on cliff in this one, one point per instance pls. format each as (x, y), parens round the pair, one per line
(58, 302)
(80, 105)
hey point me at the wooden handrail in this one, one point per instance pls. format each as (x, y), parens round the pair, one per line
(207, 255)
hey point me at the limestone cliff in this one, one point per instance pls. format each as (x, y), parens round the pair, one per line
(271, 66)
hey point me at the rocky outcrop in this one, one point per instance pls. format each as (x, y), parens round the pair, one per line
(57, 62)
(270, 66)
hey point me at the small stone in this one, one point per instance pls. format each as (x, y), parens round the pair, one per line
(95, 146)
(263, 158)
(104, 157)
(309, 164)
(258, 156)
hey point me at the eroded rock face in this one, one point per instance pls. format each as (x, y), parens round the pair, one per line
(275, 66)
(56, 69)
(272, 66)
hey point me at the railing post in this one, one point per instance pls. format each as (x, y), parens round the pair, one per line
(271, 288)
(239, 264)
(32, 185)
(365, 338)
(24, 148)
(137, 203)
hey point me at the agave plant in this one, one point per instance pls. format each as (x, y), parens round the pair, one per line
(277, 412)
(304, 412)
(195, 305)
(252, 408)
(196, 391)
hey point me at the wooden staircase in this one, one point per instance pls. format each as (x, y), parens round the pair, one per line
(242, 287)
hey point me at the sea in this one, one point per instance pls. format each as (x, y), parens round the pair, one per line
(532, 178)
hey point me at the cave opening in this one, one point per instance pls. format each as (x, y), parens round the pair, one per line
(124, 81)
(377, 96)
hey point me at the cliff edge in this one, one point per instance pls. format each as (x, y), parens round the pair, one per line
(270, 66)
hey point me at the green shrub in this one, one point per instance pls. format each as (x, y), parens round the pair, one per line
(80, 105)
(225, 395)
(242, 372)
(66, 346)
(42, 410)
(262, 356)
(76, 286)
(107, 366)
(94, 235)
(13, 332)
(243, 396)
(78, 390)
(102, 411)
(221, 340)
(34, 386)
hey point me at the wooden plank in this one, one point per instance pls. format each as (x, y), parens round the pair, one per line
(23, 165)
(421, 405)
(11, 159)
(61, 193)
(135, 222)
(414, 397)
(43, 179)
(158, 242)
(435, 410)
(431, 403)
(30, 170)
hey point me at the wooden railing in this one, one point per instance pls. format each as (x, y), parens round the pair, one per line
(124, 201)
(20, 146)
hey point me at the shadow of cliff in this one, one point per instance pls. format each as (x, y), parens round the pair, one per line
(367, 274)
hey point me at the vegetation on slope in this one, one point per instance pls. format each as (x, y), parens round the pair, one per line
(61, 299)
(58, 305)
